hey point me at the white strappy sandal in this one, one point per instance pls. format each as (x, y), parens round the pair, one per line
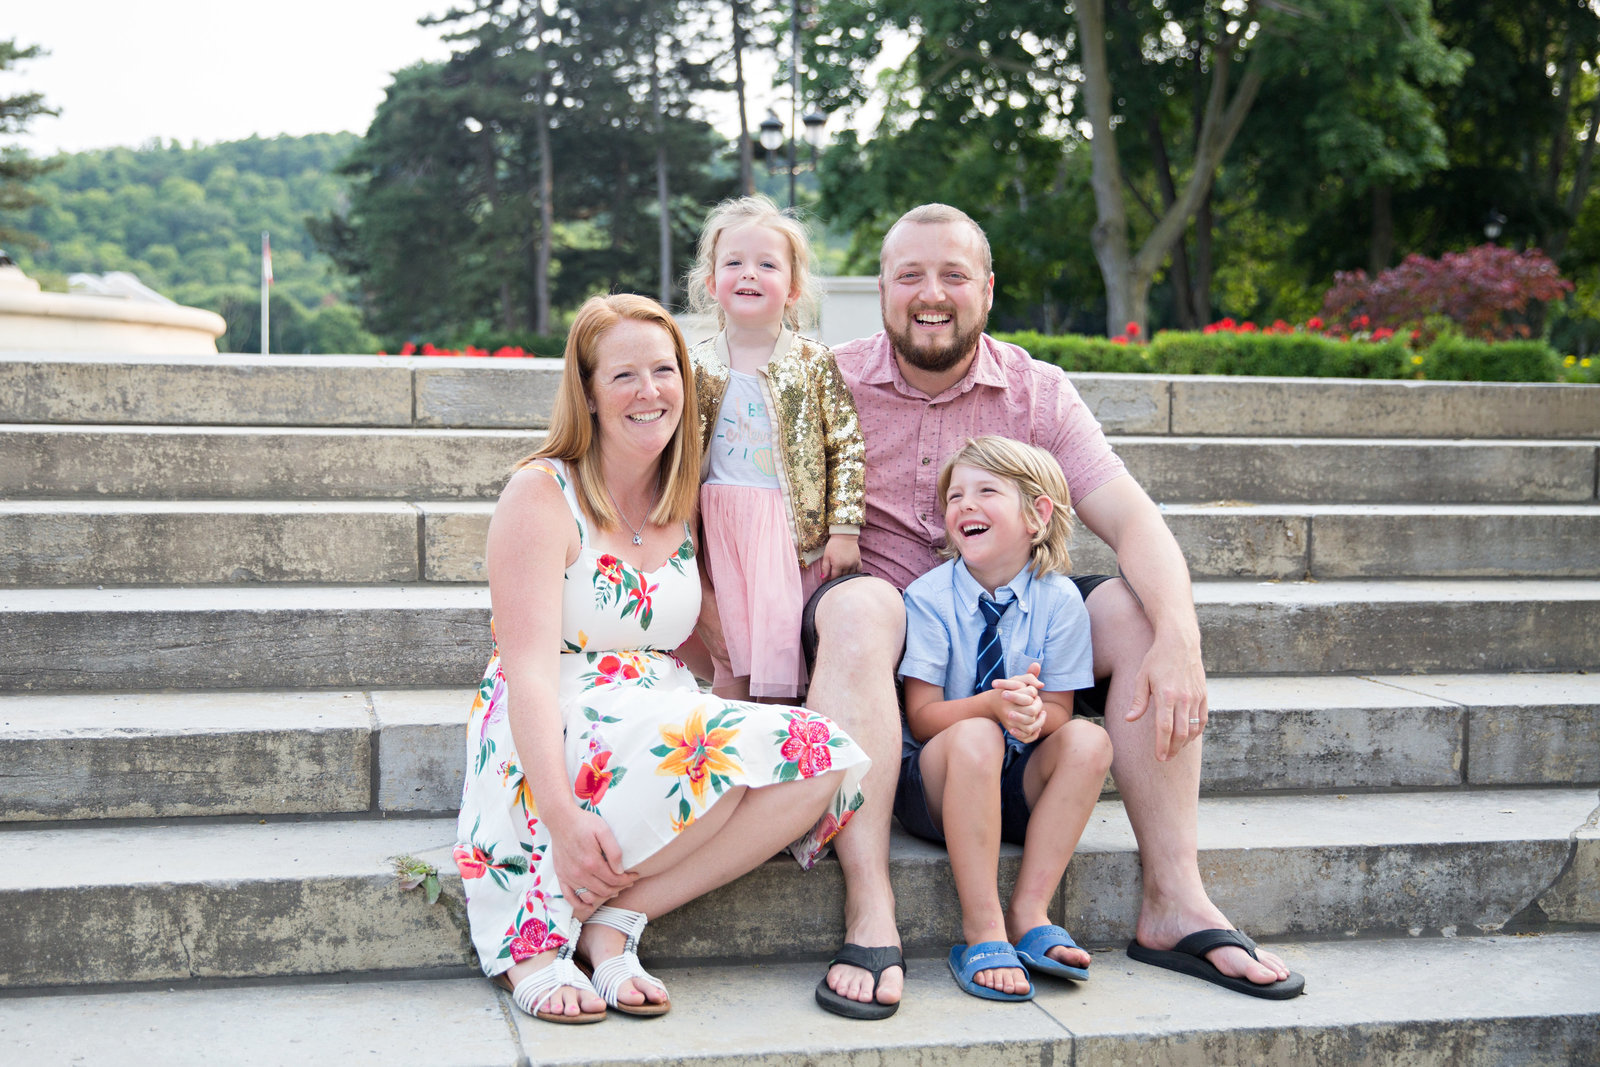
(609, 976)
(534, 992)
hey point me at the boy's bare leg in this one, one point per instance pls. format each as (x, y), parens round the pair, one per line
(860, 627)
(1062, 782)
(961, 780)
(1162, 797)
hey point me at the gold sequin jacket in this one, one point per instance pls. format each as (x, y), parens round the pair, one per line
(821, 465)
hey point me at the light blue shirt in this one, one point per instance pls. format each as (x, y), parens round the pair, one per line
(1047, 625)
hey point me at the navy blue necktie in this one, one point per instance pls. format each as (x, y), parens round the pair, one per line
(991, 656)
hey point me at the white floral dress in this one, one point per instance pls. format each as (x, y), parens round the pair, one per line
(645, 748)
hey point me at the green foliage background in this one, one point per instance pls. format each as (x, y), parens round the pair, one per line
(188, 222)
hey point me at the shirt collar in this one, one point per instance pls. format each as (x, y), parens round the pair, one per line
(779, 348)
(984, 370)
(967, 590)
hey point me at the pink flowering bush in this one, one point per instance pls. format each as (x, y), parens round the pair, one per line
(1484, 291)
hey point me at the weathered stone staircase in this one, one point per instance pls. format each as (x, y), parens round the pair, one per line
(241, 611)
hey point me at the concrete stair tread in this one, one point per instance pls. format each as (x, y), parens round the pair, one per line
(119, 541)
(225, 505)
(122, 506)
(1416, 1000)
(208, 852)
(118, 755)
(207, 899)
(314, 596)
(302, 596)
(391, 390)
(422, 634)
(135, 460)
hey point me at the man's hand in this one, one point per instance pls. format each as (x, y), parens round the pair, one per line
(1171, 684)
(841, 555)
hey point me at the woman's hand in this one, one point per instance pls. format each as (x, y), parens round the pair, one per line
(588, 861)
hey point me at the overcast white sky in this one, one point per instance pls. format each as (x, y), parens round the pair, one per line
(125, 71)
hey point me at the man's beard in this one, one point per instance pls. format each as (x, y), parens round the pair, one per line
(915, 351)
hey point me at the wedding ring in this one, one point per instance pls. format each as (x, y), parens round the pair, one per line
(583, 891)
(1192, 722)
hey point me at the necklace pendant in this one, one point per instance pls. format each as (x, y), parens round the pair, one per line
(638, 540)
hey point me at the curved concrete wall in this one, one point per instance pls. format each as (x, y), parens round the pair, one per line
(63, 322)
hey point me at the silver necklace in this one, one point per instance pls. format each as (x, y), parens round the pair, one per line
(638, 531)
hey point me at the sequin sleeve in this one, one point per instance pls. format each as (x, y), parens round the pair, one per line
(846, 460)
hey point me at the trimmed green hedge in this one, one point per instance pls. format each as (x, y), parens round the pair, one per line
(1301, 355)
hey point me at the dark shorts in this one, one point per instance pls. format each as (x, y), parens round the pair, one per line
(910, 800)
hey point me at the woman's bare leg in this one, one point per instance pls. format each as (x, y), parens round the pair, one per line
(737, 834)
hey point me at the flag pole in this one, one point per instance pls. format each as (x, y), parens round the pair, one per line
(266, 281)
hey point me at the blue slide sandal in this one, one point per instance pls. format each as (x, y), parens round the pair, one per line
(1040, 940)
(985, 955)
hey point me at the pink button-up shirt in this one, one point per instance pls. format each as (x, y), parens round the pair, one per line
(909, 434)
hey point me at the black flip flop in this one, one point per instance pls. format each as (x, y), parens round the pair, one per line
(1189, 957)
(872, 960)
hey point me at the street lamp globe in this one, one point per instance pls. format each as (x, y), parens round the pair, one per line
(771, 135)
(815, 121)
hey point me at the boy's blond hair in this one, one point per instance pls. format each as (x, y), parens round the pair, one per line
(1035, 473)
(801, 313)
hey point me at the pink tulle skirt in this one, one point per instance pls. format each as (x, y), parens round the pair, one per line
(760, 587)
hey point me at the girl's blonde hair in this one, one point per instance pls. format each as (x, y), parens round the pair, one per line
(1035, 473)
(573, 436)
(798, 315)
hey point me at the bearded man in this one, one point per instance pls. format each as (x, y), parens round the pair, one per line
(924, 385)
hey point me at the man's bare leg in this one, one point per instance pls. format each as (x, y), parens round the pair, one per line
(1162, 797)
(860, 628)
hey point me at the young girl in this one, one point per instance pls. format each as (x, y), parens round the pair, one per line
(783, 475)
(993, 752)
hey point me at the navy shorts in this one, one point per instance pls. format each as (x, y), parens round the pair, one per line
(911, 799)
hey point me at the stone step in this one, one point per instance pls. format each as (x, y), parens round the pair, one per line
(280, 463)
(300, 463)
(244, 390)
(293, 636)
(1354, 471)
(228, 752)
(395, 391)
(171, 901)
(1383, 1001)
(159, 542)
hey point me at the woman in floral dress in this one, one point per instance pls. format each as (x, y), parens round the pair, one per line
(602, 785)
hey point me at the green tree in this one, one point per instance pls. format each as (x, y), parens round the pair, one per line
(1152, 95)
(17, 168)
(526, 172)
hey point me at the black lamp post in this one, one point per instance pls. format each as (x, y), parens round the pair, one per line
(771, 138)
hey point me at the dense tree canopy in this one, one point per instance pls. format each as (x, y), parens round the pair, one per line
(552, 156)
(1138, 104)
(17, 169)
(1198, 159)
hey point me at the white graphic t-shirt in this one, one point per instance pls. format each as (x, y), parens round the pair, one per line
(741, 446)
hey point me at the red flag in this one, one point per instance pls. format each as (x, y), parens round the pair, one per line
(266, 259)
